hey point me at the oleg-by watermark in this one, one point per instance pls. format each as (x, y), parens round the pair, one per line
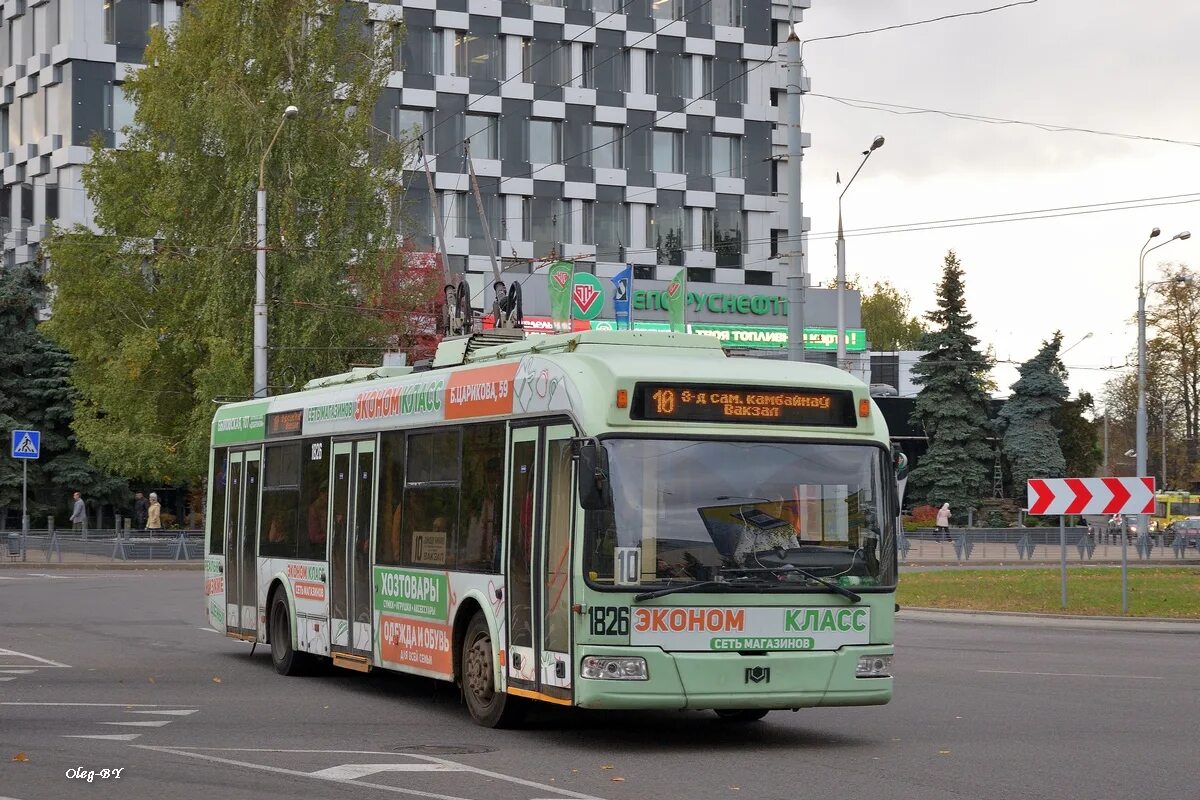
(89, 775)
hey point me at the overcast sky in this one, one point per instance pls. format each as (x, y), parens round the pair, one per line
(1101, 64)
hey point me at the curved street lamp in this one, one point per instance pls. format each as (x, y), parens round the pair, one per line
(841, 258)
(260, 266)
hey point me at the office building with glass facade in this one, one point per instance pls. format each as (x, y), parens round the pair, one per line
(610, 132)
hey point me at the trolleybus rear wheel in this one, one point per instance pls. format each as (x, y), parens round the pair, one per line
(286, 659)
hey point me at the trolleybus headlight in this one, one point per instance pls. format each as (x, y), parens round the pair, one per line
(614, 668)
(873, 667)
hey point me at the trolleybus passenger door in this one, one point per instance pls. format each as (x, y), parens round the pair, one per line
(241, 544)
(540, 511)
(353, 501)
(523, 526)
(555, 562)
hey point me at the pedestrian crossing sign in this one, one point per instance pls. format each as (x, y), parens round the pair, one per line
(26, 444)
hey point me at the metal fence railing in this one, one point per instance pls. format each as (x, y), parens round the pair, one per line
(1093, 543)
(100, 545)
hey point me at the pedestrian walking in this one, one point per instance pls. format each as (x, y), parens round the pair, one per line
(141, 510)
(78, 512)
(154, 514)
(943, 522)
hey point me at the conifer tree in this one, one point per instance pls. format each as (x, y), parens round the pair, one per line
(1031, 440)
(36, 394)
(953, 401)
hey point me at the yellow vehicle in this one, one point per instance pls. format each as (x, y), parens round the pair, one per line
(1172, 506)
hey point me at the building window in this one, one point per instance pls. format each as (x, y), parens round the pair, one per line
(611, 229)
(477, 56)
(545, 225)
(586, 79)
(156, 13)
(706, 75)
(545, 141)
(588, 226)
(668, 151)
(480, 129)
(419, 51)
(609, 68)
(413, 125)
(669, 75)
(759, 277)
(700, 275)
(666, 9)
(609, 6)
(607, 147)
(777, 235)
(544, 62)
(727, 12)
(723, 230)
(729, 80)
(666, 227)
(726, 157)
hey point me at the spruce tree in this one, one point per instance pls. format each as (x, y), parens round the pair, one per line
(953, 401)
(36, 394)
(1031, 440)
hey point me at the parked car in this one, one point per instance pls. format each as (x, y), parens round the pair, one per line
(1188, 529)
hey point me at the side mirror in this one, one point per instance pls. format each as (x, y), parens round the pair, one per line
(592, 473)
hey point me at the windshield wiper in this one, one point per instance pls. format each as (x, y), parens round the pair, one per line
(697, 587)
(788, 569)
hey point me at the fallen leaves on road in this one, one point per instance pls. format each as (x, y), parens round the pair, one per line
(607, 766)
(616, 778)
(943, 752)
(216, 679)
(20, 757)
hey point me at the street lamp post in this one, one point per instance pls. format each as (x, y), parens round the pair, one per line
(841, 259)
(260, 267)
(1141, 446)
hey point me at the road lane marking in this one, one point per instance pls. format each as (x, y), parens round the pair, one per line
(46, 661)
(352, 771)
(174, 712)
(142, 723)
(17, 672)
(191, 752)
(12, 678)
(89, 705)
(1071, 674)
(114, 737)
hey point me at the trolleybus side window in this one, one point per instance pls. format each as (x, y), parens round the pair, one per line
(482, 489)
(281, 500)
(431, 500)
(216, 514)
(314, 499)
(391, 497)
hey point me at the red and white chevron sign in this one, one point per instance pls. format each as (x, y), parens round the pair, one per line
(1091, 496)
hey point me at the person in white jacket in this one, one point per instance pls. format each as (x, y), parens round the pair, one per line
(943, 521)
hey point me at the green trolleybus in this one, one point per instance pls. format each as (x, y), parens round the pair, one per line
(618, 520)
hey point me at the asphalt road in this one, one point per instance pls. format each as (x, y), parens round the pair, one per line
(117, 670)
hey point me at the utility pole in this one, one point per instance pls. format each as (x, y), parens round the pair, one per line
(797, 274)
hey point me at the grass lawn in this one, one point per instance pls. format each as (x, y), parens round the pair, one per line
(1153, 592)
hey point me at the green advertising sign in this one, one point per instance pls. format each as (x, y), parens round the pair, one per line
(754, 335)
(241, 423)
(587, 296)
(413, 594)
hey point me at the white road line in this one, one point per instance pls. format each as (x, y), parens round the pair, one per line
(8, 679)
(17, 672)
(174, 712)
(45, 661)
(142, 723)
(191, 752)
(88, 705)
(351, 772)
(206, 628)
(114, 737)
(1071, 674)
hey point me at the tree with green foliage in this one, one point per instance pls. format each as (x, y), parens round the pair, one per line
(156, 305)
(1079, 436)
(953, 401)
(36, 394)
(1031, 441)
(886, 318)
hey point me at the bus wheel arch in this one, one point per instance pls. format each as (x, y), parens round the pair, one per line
(272, 590)
(462, 620)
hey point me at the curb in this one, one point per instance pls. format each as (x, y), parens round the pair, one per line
(1018, 618)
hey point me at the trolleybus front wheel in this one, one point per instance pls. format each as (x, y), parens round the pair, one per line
(488, 707)
(741, 714)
